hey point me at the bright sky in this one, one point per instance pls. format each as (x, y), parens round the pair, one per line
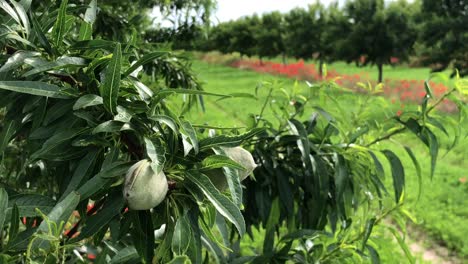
(233, 9)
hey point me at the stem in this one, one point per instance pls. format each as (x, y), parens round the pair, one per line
(264, 106)
(389, 135)
(432, 107)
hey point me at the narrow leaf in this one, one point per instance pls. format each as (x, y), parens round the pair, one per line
(87, 100)
(219, 161)
(3, 206)
(90, 14)
(417, 167)
(96, 222)
(17, 59)
(398, 173)
(181, 236)
(144, 60)
(222, 204)
(58, 31)
(126, 255)
(187, 131)
(84, 168)
(367, 232)
(34, 88)
(110, 88)
(156, 153)
(61, 211)
(228, 141)
(8, 131)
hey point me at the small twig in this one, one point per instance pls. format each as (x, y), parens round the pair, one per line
(388, 136)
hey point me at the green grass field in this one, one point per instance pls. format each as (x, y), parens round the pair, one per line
(442, 211)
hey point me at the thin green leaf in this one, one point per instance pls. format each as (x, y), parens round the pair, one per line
(166, 120)
(27, 204)
(110, 88)
(61, 212)
(219, 161)
(10, 11)
(417, 167)
(180, 260)
(3, 206)
(156, 153)
(367, 231)
(222, 204)
(14, 224)
(86, 31)
(143, 234)
(39, 32)
(228, 141)
(23, 17)
(187, 131)
(17, 59)
(58, 31)
(428, 89)
(398, 174)
(116, 169)
(271, 225)
(374, 255)
(56, 141)
(123, 114)
(34, 88)
(126, 255)
(101, 219)
(341, 175)
(94, 44)
(90, 14)
(433, 145)
(84, 168)
(188, 91)
(181, 236)
(402, 244)
(8, 131)
(111, 126)
(144, 60)
(60, 63)
(87, 100)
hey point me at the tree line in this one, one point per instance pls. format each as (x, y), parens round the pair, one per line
(364, 32)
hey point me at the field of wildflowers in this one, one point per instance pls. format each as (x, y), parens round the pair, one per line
(398, 91)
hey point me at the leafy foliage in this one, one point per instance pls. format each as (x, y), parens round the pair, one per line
(85, 118)
(77, 115)
(444, 34)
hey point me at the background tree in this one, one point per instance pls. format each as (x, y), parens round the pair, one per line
(269, 36)
(378, 33)
(444, 32)
(300, 33)
(243, 35)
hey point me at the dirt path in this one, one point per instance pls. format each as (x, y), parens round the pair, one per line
(432, 253)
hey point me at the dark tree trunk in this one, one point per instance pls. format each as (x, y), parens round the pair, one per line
(321, 68)
(380, 67)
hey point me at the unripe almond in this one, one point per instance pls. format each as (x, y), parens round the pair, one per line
(143, 188)
(244, 158)
(239, 155)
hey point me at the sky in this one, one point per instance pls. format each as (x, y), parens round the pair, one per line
(233, 9)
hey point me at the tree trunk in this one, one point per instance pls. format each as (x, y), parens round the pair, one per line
(321, 68)
(380, 67)
(284, 58)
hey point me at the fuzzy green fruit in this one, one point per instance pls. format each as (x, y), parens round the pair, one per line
(143, 188)
(239, 155)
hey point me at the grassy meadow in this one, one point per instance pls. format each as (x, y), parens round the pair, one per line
(441, 212)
